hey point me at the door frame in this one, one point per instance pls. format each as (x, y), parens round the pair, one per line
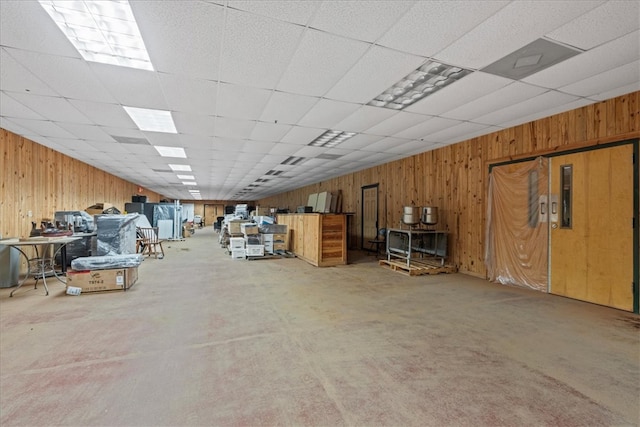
(362, 190)
(636, 198)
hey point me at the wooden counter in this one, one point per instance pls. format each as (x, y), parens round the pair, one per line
(319, 239)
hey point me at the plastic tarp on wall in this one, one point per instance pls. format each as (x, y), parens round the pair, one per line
(517, 236)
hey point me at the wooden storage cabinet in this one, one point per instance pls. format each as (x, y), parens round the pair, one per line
(319, 239)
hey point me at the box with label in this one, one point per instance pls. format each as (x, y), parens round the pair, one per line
(116, 279)
(238, 253)
(236, 243)
(234, 226)
(255, 250)
(249, 228)
(274, 237)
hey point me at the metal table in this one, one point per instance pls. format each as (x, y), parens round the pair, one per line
(405, 244)
(42, 265)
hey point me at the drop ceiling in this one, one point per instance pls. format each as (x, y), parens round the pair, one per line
(250, 84)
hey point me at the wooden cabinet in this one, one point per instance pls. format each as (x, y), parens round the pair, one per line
(319, 239)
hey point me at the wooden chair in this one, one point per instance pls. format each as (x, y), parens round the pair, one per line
(150, 241)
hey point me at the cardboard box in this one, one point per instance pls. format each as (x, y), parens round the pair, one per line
(236, 243)
(98, 208)
(249, 228)
(234, 226)
(274, 238)
(238, 254)
(255, 250)
(116, 279)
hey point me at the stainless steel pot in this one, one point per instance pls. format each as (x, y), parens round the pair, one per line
(411, 215)
(429, 215)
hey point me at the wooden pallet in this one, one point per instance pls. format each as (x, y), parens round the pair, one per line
(417, 267)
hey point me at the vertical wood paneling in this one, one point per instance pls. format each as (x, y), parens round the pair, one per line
(454, 178)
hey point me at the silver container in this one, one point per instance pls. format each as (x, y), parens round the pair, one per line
(429, 215)
(411, 215)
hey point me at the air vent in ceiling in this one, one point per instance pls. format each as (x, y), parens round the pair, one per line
(274, 172)
(162, 170)
(528, 60)
(329, 156)
(130, 140)
(293, 160)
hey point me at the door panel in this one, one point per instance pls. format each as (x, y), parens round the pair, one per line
(592, 249)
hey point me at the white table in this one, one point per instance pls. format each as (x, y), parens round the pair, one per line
(42, 265)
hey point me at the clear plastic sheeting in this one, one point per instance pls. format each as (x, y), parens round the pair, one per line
(116, 234)
(517, 237)
(106, 262)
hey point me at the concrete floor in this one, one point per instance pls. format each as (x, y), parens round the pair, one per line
(204, 340)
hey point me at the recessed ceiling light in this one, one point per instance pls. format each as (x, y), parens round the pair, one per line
(186, 177)
(429, 78)
(189, 183)
(102, 31)
(293, 160)
(171, 151)
(331, 138)
(152, 120)
(180, 168)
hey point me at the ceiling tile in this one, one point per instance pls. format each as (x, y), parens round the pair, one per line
(302, 135)
(606, 57)
(9, 107)
(359, 141)
(385, 145)
(42, 128)
(364, 117)
(320, 61)
(53, 108)
(465, 90)
(400, 121)
(616, 92)
(69, 77)
(269, 131)
(17, 129)
(110, 115)
(581, 102)
(501, 98)
(241, 102)
(593, 28)
(17, 21)
(189, 95)
(233, 128)
(15, 78)
(428, 26)
(424, 129)
(259, 147)
(360, 20)
(284, 149)
(194, 124)
(251, 39)
(88, 132)
(542, 102)
(523, 21)
(457, 131)
(609, 80)
(298, 12)
(131, 87)
(327, 113)
(194, 52)
(287, 108)
(377, 70)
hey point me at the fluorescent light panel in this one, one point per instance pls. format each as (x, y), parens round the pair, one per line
(102, 31)
(171, 151)
(429, 78)
(186, 177)
(189, 183)
(180, 168)
(331, 138)
(152, 120)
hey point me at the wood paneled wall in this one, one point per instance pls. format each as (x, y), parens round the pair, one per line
(41, 180)
(455, 178)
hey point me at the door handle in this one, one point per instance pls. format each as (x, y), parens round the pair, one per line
(542, 208)
(554, 208)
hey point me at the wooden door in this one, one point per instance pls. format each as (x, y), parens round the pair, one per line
(211, 213)
(592, 233)
(369, 229)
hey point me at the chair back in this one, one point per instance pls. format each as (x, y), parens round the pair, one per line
(382, 234)
(149, 234)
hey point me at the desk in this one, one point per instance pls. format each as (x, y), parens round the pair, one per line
(42, 265)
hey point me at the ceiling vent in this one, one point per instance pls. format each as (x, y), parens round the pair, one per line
(528, 60)
(326, 156)
(293, 160)
(130, 140)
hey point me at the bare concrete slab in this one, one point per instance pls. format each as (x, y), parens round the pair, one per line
(203, 340)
